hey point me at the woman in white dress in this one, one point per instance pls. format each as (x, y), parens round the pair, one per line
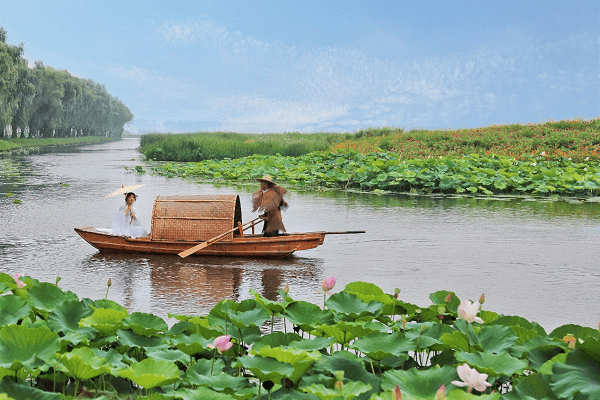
(127, 222)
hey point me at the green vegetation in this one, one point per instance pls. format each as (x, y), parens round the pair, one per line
(10, 144)
(220, 145)
(45, 102)
(577, 139)
(363, 343)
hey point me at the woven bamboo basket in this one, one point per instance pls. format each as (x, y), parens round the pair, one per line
(194, 218)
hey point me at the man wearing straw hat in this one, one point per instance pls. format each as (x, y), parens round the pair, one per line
(269, 200)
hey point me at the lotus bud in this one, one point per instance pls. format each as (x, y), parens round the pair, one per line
(599, 325)
(58, 279)
(396, 293)
(570, 340)
(482, 298)
(286, 289)
(397, 393)
(109, 283)
(441, 393)
(328, 284)
(404, 322)
(339, 385)
(339, 375)
(441, 310)
(449, 298)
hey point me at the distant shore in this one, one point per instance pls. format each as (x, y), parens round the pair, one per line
(14, 144)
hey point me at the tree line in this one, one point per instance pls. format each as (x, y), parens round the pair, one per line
(46, 102)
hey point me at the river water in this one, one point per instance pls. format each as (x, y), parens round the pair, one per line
(538, 260)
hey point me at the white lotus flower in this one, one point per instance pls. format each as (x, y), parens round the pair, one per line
(468, 310)
(471, 378)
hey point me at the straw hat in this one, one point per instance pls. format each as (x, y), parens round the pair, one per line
(266, 178)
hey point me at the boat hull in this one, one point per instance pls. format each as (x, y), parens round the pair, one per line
(252, 246)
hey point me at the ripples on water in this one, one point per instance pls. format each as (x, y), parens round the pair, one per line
(533, 259)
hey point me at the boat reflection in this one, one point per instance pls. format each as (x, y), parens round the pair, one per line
(192, 286)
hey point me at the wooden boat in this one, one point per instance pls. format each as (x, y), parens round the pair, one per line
(211, 223)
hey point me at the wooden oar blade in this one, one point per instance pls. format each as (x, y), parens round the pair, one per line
(192, 250)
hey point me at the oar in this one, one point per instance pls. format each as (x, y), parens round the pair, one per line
(202, 245)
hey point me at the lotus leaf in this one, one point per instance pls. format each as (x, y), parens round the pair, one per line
(273, 307)
(370, 292)
(351, 306)
(308, 315)
(65, 318)
(439, 298)
(380, 345)
(546, 368)
(12, 309)
(534, 387)
(21, 346)
(461, 394)
(493, 364)
(425, 335)
(276, 339)
(203, 393)
(104, 303)
(580, 332)
(204, 366)
(519, 321)
(106, 320)
(83, 364)
(46, 297)
(580, 374)
(300, 360)
(151, 373)
(168, 355)
(249, 318)
(496, 338)
(145, 324)
(19, 391)
(220, 382)
(190, 345)
(131, 339)
(419, 384)
(113, 358)
(542, 354)
(265, 369)
(349, 391)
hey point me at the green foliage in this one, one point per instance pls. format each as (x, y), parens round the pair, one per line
(51, 342)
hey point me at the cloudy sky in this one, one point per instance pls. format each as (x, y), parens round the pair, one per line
(323, 65)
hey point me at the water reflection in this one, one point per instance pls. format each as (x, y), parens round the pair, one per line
(196, 284)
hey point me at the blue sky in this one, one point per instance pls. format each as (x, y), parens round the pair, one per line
(323, 65)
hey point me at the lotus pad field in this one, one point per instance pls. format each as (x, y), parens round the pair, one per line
(361, 343)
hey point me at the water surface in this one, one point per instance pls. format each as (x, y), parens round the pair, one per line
(538, 260)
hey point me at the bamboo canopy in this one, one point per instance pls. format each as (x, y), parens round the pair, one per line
(195, 218)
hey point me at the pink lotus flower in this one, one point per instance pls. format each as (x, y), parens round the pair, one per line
(20, 283)
(221, 343)
(441, 393)
(471, 378)
(468, 310)
(328, 284)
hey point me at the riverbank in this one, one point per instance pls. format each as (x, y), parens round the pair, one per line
(12, 144)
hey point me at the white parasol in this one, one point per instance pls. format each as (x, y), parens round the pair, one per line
(123, 190)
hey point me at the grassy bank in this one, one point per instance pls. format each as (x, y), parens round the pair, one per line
(360, 342)
(576, 139)
(11, 144)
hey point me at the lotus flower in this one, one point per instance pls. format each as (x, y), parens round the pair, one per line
(397, 395)
(20, 283)
(328, 284)
(221, 343)
(471, 378)
(468, 310)
(441, 393)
